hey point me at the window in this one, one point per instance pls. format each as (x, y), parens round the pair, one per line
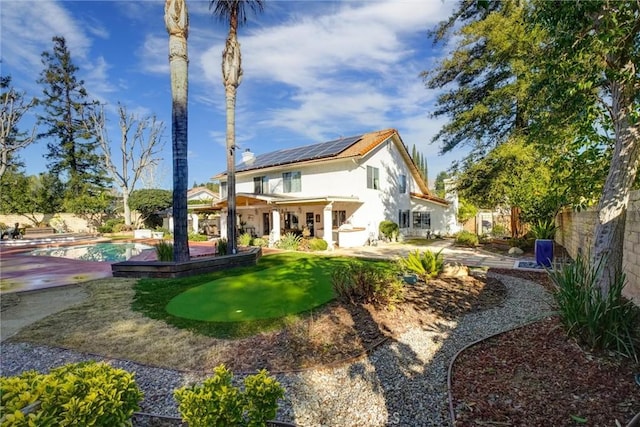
(223, 190)
(403, 219)
(290, 221)
(260, 185)
(291, 182)
(422, 220)
(402, 184)
(373, 178)
(338, 218)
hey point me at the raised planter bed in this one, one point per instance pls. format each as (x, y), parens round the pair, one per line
(192, 267)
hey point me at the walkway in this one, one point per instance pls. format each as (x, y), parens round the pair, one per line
(452, 254)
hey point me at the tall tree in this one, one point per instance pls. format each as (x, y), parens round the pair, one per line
(71, 149)
(13, 107)
(140, 146)
(485, 76)
(591, 69)
(235, 13)
(176, 18)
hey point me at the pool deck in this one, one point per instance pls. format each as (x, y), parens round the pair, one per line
(20, 272)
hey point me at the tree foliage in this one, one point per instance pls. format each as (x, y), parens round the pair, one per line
(72, 151)
(150, 201)
(485, 77)
(29, 195)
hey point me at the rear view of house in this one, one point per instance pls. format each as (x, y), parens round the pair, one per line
(338, 190)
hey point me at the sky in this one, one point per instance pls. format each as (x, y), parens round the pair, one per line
(314, 71)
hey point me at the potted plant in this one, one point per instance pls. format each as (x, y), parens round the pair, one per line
(544, 232)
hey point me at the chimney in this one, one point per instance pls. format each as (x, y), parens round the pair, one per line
(248, 157)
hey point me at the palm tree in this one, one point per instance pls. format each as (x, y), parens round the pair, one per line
(233, 11)
(176, 19)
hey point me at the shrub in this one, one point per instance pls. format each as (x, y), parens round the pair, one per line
(543, 229)
(197, 237)
(389, 229)
(81, 394)
(359, 282)
(316, 244)
(223, 246)
(466, 238)
(218, 403)
(427, 265)
(599, 322)
(259, 241)
(164, 251)
(289, 241)
(499, 230)
(109, 225)
(245, 239)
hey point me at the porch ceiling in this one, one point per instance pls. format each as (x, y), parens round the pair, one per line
(251, 199)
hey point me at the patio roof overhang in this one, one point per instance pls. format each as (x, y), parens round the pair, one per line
(430, 198)
(252, 199)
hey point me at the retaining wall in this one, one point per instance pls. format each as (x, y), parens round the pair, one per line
(576, 235)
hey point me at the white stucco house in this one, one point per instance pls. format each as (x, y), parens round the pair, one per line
(338, 190)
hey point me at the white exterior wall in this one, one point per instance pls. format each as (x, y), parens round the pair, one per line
(348, 178)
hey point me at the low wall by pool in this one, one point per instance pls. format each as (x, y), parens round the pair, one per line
(201, 265)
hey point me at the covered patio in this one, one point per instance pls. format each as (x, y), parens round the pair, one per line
(272, 215)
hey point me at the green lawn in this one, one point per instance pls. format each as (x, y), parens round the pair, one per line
(281, 285)
(298, 284)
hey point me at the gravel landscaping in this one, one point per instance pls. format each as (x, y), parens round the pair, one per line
(402, 382)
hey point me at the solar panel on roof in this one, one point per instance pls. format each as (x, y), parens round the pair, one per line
(298, 154)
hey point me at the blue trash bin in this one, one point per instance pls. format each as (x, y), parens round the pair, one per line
(544, 252)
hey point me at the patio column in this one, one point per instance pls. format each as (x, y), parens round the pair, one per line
(194, 219)
(328, 225)
(223, 225)
(274, 236)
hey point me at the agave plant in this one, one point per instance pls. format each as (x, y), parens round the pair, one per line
(544, 229)
(427, 264)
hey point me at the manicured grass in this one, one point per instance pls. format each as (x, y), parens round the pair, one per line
(153, 295)
(298, 284)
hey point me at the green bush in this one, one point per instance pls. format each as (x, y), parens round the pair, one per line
(316, 244)
(466, 238)
(245, 239)
(601, 323)
(218, 403)
(427, 265)
(109, 225)
(223, 246)
(81, 394)
(499, 230)
(543, 229)
(164, 251)
(360, 282)
(289, 241)
(389, 229)
(197, 237)
(259, 241)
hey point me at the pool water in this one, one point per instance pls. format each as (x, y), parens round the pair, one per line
(107, 252)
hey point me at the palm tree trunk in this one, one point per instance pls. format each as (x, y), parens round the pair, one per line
(231, 75)
(177, 22)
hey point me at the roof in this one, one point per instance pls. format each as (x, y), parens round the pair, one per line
(343, 148)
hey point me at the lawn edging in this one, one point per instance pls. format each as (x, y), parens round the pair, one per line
(200, 265)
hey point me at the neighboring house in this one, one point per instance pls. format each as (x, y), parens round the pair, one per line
(202, 217)
(339, 191)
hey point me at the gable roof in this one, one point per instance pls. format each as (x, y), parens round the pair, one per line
(343, 148)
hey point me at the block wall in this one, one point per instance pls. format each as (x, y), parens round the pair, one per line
(576, 235)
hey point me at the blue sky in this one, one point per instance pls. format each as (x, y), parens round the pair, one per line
(313, 71)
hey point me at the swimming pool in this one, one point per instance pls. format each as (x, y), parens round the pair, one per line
(106, 252)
